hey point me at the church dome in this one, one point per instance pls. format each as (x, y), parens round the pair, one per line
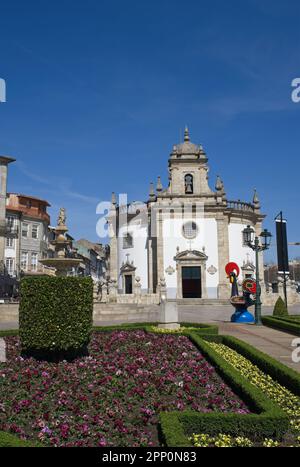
(187, 148)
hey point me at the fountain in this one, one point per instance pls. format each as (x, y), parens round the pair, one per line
(61, 262)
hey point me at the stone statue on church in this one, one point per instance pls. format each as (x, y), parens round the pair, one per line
(62, 217)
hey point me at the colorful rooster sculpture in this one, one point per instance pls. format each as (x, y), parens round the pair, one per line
(240, 302)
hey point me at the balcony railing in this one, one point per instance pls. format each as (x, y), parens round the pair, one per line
(240, 206)
(11, 229)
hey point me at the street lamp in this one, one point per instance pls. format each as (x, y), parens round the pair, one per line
(252, 241)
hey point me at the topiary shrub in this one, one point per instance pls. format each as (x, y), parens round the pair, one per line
(280, 308)
(56, 316)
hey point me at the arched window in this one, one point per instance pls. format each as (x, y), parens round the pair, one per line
(188, 183)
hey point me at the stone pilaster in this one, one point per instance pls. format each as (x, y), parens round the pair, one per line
(112, 228)
(223, 255)
(150, 255)
(160, 247)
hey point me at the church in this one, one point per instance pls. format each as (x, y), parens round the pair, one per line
(182, 237)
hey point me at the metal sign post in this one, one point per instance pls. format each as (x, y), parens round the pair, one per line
(282, 251)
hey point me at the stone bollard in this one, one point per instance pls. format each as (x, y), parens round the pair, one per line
(168, 315)
(2, 351)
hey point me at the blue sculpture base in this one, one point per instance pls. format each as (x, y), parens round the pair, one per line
(242, 316)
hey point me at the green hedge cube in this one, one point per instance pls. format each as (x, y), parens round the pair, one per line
(56, 316)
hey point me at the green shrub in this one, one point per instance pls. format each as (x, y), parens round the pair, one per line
(280, 308)
(283, 324)
(56, 316)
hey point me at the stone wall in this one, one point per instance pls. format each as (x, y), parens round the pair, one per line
(9, 312)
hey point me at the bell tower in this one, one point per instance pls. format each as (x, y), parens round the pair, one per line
(188, 169)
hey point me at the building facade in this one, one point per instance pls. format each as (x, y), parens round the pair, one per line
(183, 236)
(26, 242)
(94, 259)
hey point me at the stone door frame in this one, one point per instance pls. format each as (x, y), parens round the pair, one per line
(190, 258)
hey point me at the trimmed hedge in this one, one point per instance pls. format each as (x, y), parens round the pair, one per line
(268, 421)
(283, 324)
(278, 371)
(56, 316)
(201, 328)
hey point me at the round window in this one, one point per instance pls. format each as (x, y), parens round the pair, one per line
(190, 230)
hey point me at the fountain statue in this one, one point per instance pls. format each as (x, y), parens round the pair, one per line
(61, 262)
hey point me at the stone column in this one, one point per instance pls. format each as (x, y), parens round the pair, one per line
(113, 234)
(160, 247)
(137, 289)
(150, 255)
(104, 293)
(113, 290)
(223, 255)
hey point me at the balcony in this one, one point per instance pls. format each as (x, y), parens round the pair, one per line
(11, 229)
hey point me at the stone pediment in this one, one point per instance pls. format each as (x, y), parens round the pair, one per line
(190, 255)
(127, 267)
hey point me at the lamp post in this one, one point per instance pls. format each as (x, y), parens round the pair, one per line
(253, 242)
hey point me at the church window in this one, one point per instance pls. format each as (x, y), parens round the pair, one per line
(190, 230)
(128, 241)
(188, 184)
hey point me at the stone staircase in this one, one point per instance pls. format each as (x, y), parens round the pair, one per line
(203, 302)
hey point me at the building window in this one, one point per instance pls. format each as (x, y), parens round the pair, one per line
(25, 228)
(9, 263)
(190, 230)
(10, 221)
(35, 231)
(128, 241)
(188, 184)
(10, 242)
(34, 261)
(24, 260)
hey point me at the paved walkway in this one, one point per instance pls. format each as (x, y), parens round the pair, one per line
(275, 343)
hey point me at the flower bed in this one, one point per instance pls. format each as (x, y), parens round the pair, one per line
(268, 419)
(288, 402)
(226, 441)
(114, 396)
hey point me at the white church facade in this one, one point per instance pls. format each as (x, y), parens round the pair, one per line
(180, 240)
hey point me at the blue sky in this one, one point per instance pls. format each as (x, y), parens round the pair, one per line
(98, 92)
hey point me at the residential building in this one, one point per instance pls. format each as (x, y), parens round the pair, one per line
(94, 259)
(26, 242)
